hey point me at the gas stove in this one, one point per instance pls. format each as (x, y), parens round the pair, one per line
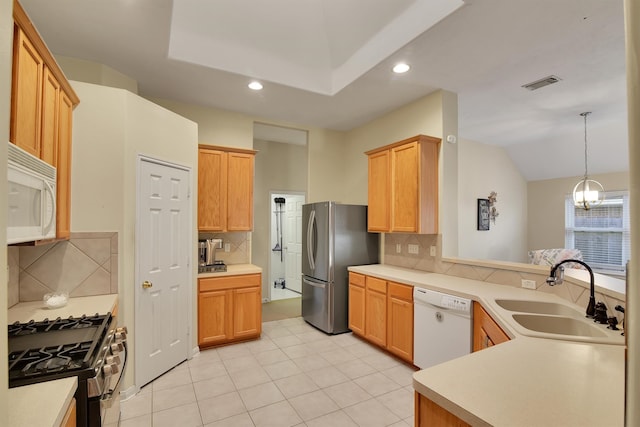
(54, 349)
(90, 348)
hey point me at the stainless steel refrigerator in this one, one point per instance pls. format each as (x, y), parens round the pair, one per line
(334, 237)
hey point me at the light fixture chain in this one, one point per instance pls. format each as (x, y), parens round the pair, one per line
(586, 167)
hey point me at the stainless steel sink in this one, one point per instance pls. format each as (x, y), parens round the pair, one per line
(559, 325)
(538, 307)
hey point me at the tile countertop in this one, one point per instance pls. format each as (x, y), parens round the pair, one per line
(233, 270)
(528, 381)
(53, 397)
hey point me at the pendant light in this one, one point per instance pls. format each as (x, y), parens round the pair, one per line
(587, 193)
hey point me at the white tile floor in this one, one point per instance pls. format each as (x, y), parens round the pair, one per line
(294, 375)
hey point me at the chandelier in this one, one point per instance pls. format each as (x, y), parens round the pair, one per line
(587, 193)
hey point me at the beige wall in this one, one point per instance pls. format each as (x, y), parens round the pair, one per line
(545, 207)
(482, 169)
(111, 128)
(279, 167)
(6, 37)
(93, 72)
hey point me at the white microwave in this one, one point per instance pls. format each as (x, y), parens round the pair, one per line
(31, 197)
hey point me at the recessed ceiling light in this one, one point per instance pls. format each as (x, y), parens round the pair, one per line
(255, 85)
(401, 68)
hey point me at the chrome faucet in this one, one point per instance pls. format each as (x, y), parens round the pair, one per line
(556, 277)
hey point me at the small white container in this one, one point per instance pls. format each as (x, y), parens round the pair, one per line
(56, 299)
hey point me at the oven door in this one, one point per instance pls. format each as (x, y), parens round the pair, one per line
(110, 399)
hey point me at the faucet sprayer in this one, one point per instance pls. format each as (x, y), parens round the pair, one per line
(556, 277)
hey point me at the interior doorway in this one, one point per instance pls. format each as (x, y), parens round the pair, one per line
(285, 262)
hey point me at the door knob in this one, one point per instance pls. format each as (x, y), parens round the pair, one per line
(146, 284)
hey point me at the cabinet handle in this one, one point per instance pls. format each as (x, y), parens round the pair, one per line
(147, 284)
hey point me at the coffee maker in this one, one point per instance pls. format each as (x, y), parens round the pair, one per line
(207, 256)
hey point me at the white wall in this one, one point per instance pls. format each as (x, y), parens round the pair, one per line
(481, 169)
(6, 37)
(545, 202)
(111, 127)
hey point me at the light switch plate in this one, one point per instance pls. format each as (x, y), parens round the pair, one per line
(227, 247)
(528, 284)
(398, 248)
(432, 251)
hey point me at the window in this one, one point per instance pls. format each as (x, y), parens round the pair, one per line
(602, 232)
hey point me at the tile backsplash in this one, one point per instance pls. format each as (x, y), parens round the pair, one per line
(502, 273)
(239, 246)
(86, 264)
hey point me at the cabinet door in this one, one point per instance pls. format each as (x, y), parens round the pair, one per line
(379, 194)
(26, 97)
(214, 317)
(376, 311)
(247, 312)
(356, 309)
(429, 414)
(240, 192)
(50, 118)
(486, 331)
(405, 203)
(63, 165)
(212, 190)
(400, 320)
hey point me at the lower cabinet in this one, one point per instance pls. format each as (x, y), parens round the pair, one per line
(486, 331)
(400, 322)
(356, 303)
(229, 309)
(382, 313)
(429, 414)
(69, 419)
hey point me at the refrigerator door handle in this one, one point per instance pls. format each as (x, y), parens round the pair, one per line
(310, 240)
(315, 284)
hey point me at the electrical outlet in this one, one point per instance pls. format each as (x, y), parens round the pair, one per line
(227, 247)
(398, 248)
(413, 249)
(528, 284)
(432, 251)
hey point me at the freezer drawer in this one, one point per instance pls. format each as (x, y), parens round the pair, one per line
(316, 303)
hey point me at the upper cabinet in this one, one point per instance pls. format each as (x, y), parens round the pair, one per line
(403, 186)
(42, 103)
(225, 189)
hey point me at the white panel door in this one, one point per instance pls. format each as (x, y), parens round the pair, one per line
(163, 250)
(293, 245)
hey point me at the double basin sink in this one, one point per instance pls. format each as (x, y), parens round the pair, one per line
(556, 320)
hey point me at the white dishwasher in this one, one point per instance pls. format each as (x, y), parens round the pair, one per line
(442, 328)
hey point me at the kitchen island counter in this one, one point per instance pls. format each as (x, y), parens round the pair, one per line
(529, 381)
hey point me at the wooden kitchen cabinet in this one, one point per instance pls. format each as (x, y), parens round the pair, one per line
(375, 295)
(229, 309)
(430, 414)
(403, 186)
(42, 103)
(225, 189)
(69, 419)
(486, 331)
(356, 303)
(382, 313)
(400, 320)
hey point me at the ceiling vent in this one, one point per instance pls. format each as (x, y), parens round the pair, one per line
(542, 83)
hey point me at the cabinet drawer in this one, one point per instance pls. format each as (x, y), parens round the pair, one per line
(375, 284)
(356, 279)
(228, 282)
(400, 291)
